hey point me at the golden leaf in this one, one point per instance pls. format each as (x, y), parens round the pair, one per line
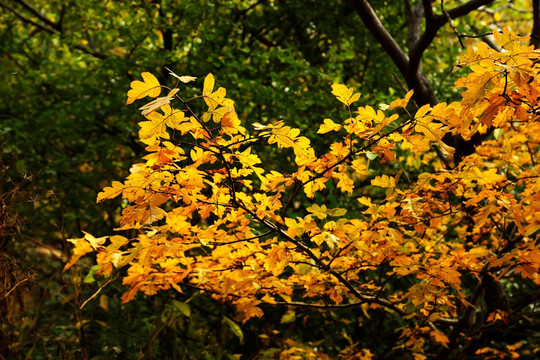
(139, 89)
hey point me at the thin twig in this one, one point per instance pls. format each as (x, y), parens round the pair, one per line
(14, 287)
(459, 36)
(98, 291)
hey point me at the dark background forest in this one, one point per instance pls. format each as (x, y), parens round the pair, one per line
(65, 68)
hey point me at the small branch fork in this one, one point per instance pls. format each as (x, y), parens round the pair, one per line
(410, 66)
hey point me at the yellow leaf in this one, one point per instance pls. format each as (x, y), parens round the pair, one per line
(95, 243)
(447, 150)
(402, 103)
(345, 183)
(82, 247)
(117, 242)
(337, 212)
(110, 192)
(318, 211)
(249, 308)
(208, 87)
(150, 87)
(440, 337)
(384, 181)
(159, 102)
(104, 303)
(216, 98)
(353, 98)
(364, 201)
(422, 112)
(184, 79)
(276, 260)
(287, 137)
(344, 94)
(328, 126)
(177, 120)
(230, 120)
(142, 214)
(507, 38)
(260, 127)
(152, 129)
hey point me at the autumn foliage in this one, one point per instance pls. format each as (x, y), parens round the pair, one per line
(429, 237)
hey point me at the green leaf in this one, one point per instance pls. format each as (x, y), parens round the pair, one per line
(288, 317)
(371, 156)
(235, 328)
(183, 307)
(89, 278)
(337, 212)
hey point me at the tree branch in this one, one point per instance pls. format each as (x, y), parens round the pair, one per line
(56, 28)
(415, 22)
(459, 36)
(428, 11)
(354, 291)
(535, 35)
(39, 15)
(432, 27)
(90, 52)
(411, 67)
(26, 20)
(377, 29)
(447, 321)
(466, 8)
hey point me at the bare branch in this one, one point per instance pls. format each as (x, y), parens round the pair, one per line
(466, 8)
(415, 22)
(535, 35)
(458, 34)
(377, 29)
(432, 27)
(428, 11)
(97, 292)
(415, 78)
